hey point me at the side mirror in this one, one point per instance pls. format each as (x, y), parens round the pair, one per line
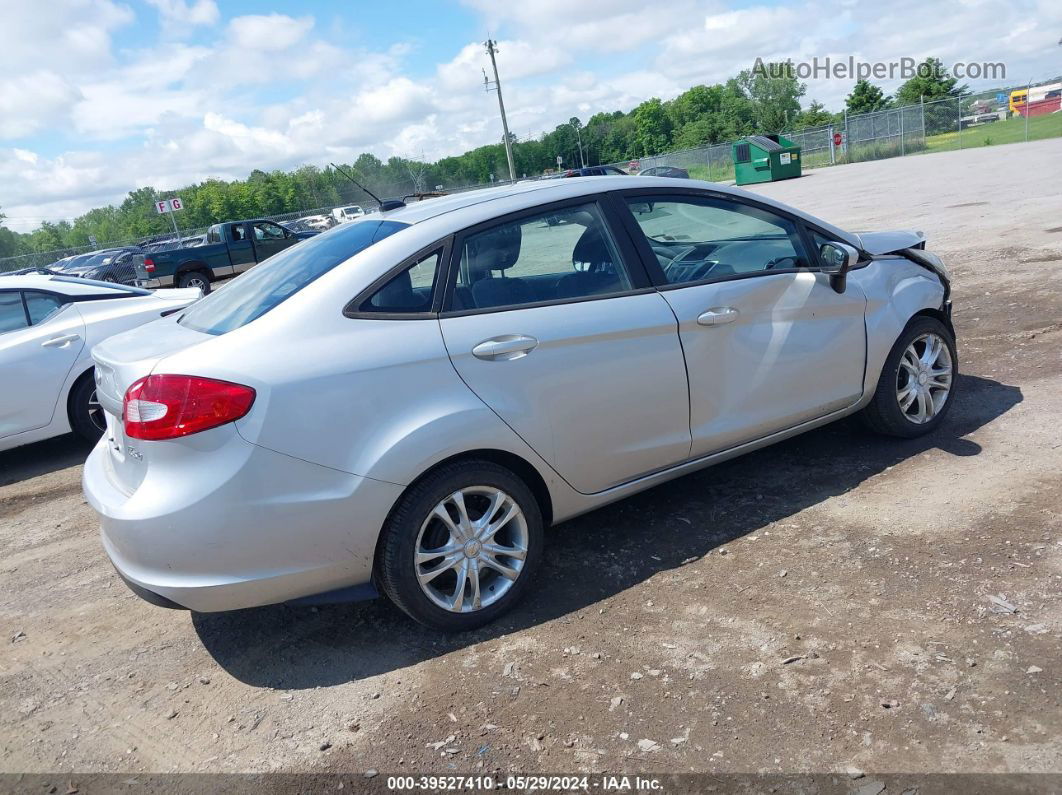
(837, 260)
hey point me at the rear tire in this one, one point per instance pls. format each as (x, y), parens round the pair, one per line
(194, 279)
(86, 414)
(474, 581)
(917, 383)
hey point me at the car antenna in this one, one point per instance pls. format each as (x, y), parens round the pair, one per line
(388, 204)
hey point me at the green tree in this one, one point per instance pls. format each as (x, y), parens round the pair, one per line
(930, 82)
(815, 115)
(866, 98)
(775, 95)
(652, 127)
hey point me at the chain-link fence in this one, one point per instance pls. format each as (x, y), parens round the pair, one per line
(942, 125)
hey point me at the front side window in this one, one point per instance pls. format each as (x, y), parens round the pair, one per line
(408, 292)
(552, 256)
(12, 313)
(41, 306)
(282, 275)
(699, 239)
(265, 231)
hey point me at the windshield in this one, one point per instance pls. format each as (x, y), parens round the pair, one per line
(283, 275)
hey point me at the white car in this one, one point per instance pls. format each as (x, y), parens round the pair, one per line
(345, 214)
(48, 325)
(405, 402)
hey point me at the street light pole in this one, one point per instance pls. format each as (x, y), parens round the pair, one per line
(492, 47)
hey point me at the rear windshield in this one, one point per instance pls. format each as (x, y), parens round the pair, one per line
(282, 275)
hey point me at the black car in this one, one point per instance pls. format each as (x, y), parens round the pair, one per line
(594, 171)
(665, 171)
(109, 265)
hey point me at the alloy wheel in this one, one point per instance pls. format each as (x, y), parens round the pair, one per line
(471, 549)
(924, 377)
(95, 412)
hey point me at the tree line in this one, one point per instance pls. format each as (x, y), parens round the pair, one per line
(767, 101)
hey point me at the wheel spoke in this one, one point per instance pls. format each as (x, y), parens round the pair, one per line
(458, 499)
(931, 352)
(907, 397)
(507, 572)
(457, 600)
(496, 503)
(443, 516)
(496, 550)
(473, 576)
(425, 555)
(450, 562)
(909, 362)
(925, 406)
(492, 529)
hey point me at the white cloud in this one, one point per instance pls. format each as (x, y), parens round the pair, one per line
(29, 102)
(270, 32)
(181, 12)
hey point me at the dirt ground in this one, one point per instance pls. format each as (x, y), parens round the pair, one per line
(836, 601)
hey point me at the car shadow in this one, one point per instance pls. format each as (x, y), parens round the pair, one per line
(42, 458)
(624, 543)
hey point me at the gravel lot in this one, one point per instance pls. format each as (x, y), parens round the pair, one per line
(822, 604)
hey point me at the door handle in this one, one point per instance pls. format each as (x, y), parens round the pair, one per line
(505, 347)
(717, 316)
(59, 342)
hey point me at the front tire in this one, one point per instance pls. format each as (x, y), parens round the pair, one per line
(86, 414)
(917, 383)
(461, 546)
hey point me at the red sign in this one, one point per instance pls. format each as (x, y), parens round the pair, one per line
(836, 139)
(634, 165)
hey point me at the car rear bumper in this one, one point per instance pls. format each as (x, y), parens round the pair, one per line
(238, 528)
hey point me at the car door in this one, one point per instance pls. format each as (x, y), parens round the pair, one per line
(41, 337)
(269, 238)
(241, 248)
(551, 321)
(769, 344)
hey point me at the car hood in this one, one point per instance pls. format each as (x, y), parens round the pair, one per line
(890, 242)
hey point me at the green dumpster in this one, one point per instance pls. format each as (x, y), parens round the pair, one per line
(765, 158)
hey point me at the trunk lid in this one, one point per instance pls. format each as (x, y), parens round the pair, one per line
(121, 360)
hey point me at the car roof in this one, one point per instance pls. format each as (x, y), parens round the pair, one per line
(66, 285)
(486, 203)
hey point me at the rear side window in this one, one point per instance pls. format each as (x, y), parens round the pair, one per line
(41, 306)
(282, 275)
(12, 315)
(408, 292)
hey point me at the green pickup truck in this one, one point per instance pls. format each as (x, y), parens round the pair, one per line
(229, 250)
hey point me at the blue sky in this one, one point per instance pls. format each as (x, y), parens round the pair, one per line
(103, 96)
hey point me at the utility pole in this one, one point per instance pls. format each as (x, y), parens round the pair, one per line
(492, 47)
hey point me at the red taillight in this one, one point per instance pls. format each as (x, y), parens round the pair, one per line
(170, 406)
(149, 264)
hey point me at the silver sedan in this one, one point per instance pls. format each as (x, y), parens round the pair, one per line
(404, 402)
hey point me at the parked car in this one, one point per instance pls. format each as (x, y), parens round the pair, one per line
(319, 222)
(593, 171)
(48, 325)
(108, 265)
(344, 214)
(665, 171)
(300, 225)
(230, 249)
(405, 402)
